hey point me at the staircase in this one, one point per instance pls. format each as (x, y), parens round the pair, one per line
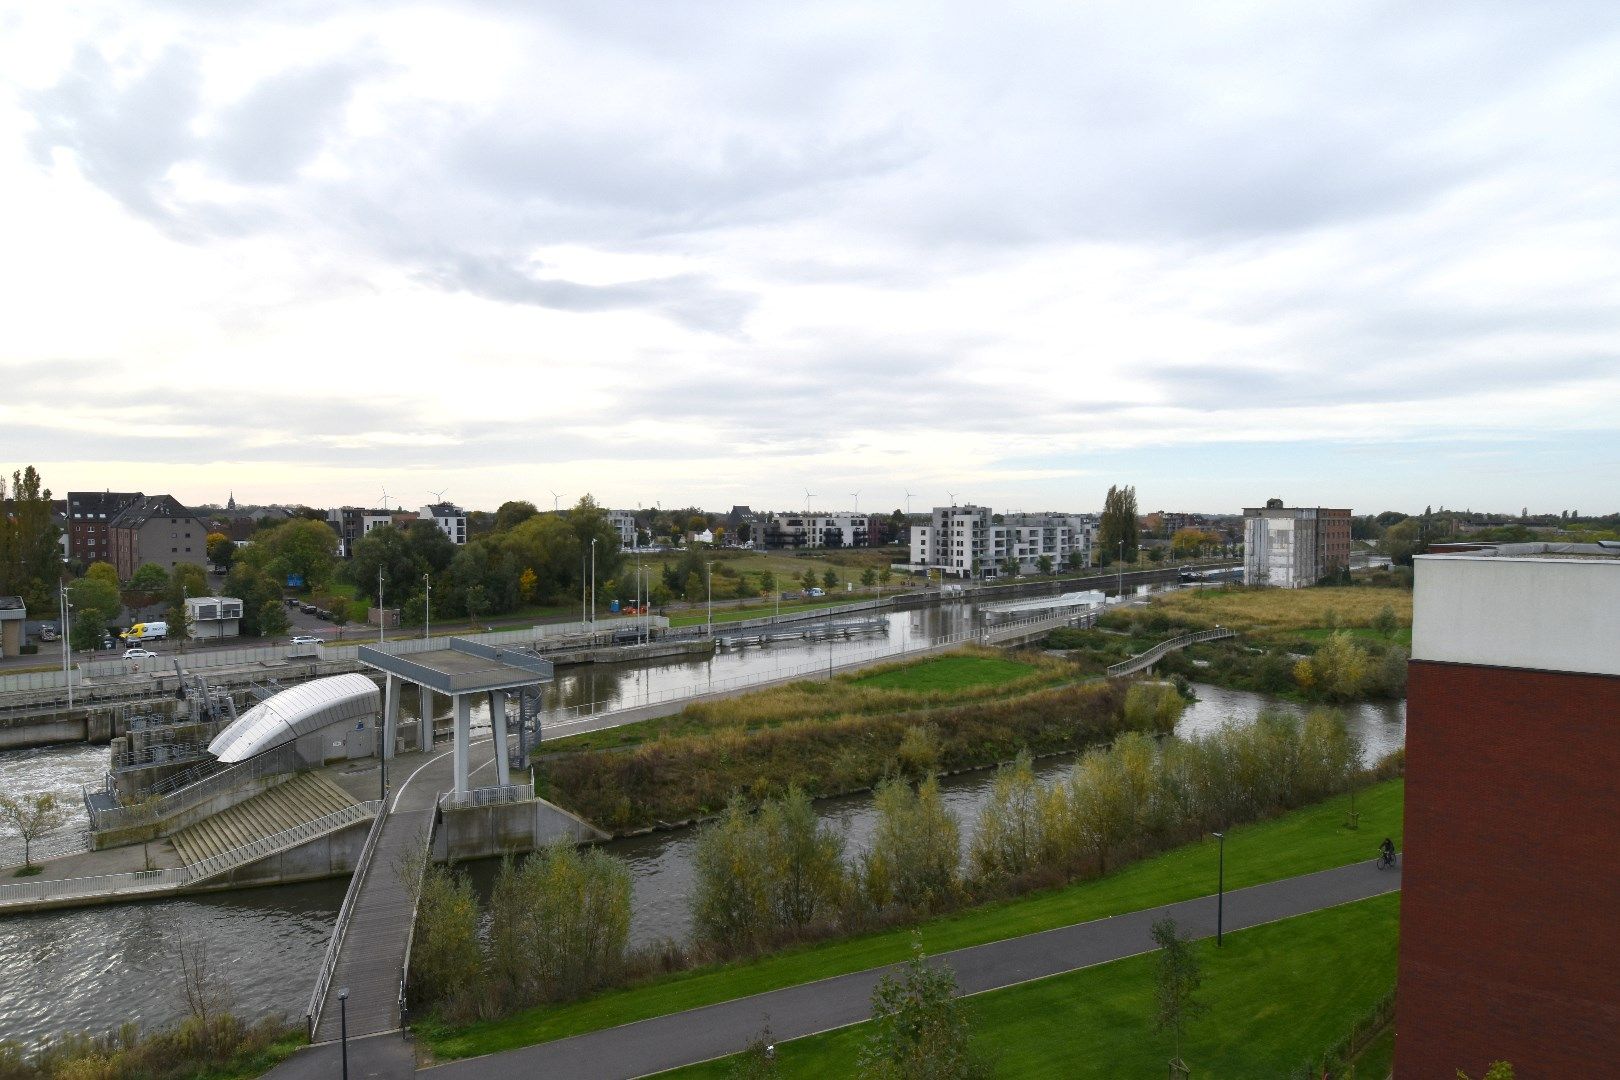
(303, 799)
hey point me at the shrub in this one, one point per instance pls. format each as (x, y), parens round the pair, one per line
(446, 960)
(559, 922)
(915, 852)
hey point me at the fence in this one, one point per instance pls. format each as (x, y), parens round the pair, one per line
(1153, 655)
(103, 886)
(282, 759)
(69, 841)
(323, 978)
(488, 796)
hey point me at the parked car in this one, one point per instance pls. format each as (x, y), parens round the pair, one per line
(307, 639)
(139, 654)
(307, 609)
(46, 632)
(818, 592)
(292, 601)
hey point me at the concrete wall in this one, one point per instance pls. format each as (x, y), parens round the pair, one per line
(1510, 872)
(1546, 613)
(134, 834)
(476, 832)
(332, 855)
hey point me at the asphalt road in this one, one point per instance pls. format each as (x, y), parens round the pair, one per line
(667, 1042)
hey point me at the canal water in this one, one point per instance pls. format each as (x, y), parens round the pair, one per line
(94, 968)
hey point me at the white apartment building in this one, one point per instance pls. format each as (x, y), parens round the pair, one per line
(817, 530)
(1291, 547)
(625, 522)
(448, 517)
(967, 541)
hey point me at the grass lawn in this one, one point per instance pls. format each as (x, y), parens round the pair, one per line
(1279, 995)
(1402, 636)
(1270, 610)
(1306, 840)
(948, 673)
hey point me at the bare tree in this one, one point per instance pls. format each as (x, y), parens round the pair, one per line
(31, 817)
(204, 986)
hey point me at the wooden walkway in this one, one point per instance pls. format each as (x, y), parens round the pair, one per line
(371, 953)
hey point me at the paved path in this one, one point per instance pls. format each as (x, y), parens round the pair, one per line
(667, 1042)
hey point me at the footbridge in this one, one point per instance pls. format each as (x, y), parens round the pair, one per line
(1145, 660)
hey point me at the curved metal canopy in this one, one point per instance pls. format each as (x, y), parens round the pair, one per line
(296, 712)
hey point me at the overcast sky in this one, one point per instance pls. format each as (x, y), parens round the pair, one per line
(1350, 254)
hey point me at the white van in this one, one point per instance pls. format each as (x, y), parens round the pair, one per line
(146, 631)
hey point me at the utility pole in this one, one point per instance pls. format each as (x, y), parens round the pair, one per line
(67, 648)
(710, 583)
(382, 616)
(593, 583)
(427, 608)
(1122, 571)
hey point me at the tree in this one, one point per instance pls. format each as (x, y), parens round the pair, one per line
(731, 896)
(767, 581)
(221, 551)
(885, 576)
(431, 548)
(806, 860)
(1176, 979)
(145, 587)
(31, 817)
(1119, 523)
(829, 580)
(919, 1029)
(869, 577)
(1340, 668)
(1403, 540)
(476, 602)
(30, 555)
(559, 922)
(511, 514)
(101, 571)
(1009, 567)
(1009, 837)
(808, 578)
(299, 548)
(384, 548)
(659, 595)
(528, 581)
(1385, 621)
(96, 605)
(1044, 564)
(914, 856)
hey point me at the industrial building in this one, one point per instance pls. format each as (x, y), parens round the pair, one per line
(1508, 947)
(1291, 547)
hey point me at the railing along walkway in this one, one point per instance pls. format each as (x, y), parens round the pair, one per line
(369, 941)
(107, 886)
(1157, 653)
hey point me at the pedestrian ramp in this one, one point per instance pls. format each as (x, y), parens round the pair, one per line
(306, 798)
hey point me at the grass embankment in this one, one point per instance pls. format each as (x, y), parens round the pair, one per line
(685, 776)
(845, 695)
(1301, 842)
(1281, 612)
(1278, 995)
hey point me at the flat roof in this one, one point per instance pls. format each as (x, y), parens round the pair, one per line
(466, 667)
(1544, 550)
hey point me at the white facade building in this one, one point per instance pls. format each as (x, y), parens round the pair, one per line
(214, 616)
(817, 530)
(625, 522)
(448, 517)
(967, 541)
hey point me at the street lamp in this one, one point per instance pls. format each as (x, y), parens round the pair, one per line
(1122, 571)
(427, 608)
(710, 585)
(1220, 889)
(67, 634)
(593, 583)
(343, 1021)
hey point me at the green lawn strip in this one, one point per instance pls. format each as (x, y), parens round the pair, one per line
(1279, 995)
(1377, 1061)
(948, 673)
(1301, 842)
(1401, 636)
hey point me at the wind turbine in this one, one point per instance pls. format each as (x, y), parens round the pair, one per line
(908, 504)
(385, 496)
(556, 501)
(808, 495)
(438, 496)
(952, 494)
(857, 497)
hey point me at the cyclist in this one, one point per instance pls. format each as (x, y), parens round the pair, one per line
(1386, 852)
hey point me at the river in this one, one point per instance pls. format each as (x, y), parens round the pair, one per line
(94, 968)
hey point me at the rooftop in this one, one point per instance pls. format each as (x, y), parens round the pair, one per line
(466, 667)
(1603, 549)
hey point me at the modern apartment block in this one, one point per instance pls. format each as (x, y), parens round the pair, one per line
(449, 517)
(156, 529)
(794, 531)
(90, 515)
(967, 541)
(1511, 867)
(1290, 547)
(624, 521)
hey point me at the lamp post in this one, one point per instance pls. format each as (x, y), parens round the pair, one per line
(382, 618)
(1220, 889)
(1122, 571)
(67, 649)
(710, 585)
(343, 1028)
(427, 608)
(593, 583)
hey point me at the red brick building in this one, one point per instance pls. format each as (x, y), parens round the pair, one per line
(1510, 904)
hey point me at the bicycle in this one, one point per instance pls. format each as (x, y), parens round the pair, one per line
(1386, 859)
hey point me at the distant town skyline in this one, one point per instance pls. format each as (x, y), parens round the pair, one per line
(724, 253)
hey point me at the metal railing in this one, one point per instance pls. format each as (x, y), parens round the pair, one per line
(144, 881)
(362, 867)
(1153, 655)
(70, 841)
(280, 760)
(410, 932)
(488, 796)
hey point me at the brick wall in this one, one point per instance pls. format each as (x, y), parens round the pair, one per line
(1510, 905)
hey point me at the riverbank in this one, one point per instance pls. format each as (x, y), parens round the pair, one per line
(1302, 841)
(855, 734)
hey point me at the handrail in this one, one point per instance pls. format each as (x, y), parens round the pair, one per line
(362, 866)
(282, 759)
(1157, 652)
(410, 931)
(181, 876)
